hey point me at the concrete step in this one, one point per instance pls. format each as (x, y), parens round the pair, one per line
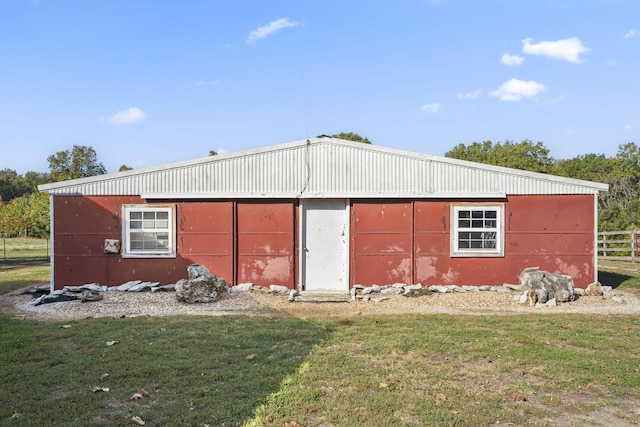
(322, 297)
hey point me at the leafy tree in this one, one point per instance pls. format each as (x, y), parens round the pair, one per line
(524, 155)
(15, 218)
(13, 185)
(9, 185)
(590, 167)
(619, 208)
(213, 153)
(26, 216)
(124, 168)
(79, 162)
(624, 190)
(38, 216)
(350, 136)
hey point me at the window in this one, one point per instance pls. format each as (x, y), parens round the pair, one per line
(148, 231)
(477, 230)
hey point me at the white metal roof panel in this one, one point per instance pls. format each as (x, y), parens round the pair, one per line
(323, 167)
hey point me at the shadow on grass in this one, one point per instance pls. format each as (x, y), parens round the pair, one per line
(23, 262)
(22, 272)
(609, 278)
(197, 370)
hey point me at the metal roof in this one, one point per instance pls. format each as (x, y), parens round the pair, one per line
(323, 167)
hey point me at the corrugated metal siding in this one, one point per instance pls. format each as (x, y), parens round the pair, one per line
(323, 167)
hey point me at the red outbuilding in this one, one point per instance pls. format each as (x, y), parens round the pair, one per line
(323, 214)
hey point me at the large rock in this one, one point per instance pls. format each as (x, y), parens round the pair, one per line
(201, 286)
(547, 286)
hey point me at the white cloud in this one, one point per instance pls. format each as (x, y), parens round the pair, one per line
(508, 59)
(270, 28)
(126, 117)
(430, 108)
(628, 127)
(515, 90)
(568, 49)
(632, 33)
(612, 62)
(468, 95)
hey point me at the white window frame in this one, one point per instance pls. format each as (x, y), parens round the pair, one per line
(168, 252)
(456, 229)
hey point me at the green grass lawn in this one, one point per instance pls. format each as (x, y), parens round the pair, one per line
(379, 371)
(23, 262)
(436, 370)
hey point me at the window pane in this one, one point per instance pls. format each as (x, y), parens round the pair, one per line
(149, 230)
(478, 230)
(463, 240)
(477, 223)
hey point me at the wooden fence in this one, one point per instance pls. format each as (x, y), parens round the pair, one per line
(620, 245)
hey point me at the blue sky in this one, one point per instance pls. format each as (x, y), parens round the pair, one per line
(148, 82)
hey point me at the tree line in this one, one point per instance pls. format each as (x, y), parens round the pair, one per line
(25, 212)
(618, 208)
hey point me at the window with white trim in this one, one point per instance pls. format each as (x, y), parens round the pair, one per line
(477, 230)
(148, 231)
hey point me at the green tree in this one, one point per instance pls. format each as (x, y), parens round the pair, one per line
(619, 208)
(26, 216)
(13, 185)
(38, 216)
(9, 186)
(524, 155)
(79, 162)
(350, 136)
(213, 153)
(590, 167)
(15, 218)
(624, 189)
(30, 181)
(124, 168)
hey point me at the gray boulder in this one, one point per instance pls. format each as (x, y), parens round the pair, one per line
(547, 286)
(201, 286)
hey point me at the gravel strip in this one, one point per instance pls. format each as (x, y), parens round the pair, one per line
(132, 304)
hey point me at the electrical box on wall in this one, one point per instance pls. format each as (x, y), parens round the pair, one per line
(111, 246)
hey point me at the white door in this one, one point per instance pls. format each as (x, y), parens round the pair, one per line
(325, 245)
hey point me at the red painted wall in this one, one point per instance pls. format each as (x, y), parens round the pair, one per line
(391, 241)
(554, 233)
(205, 234)
(266, 244)
(382, 243)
